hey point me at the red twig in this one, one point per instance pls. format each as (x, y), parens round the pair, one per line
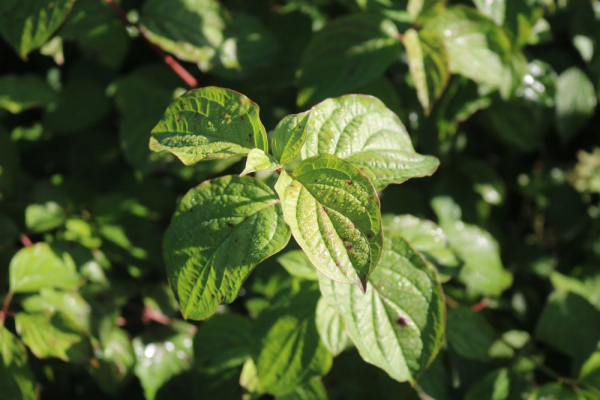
(167, 58)
(482, 305)
(150, 315)
(25, 240)
(5, 305)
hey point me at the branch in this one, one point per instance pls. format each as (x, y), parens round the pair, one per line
(25, 241)
(5, 305)
(167, 58)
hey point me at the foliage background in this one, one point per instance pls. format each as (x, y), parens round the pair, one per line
(515, 127)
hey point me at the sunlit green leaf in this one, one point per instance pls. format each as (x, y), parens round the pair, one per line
(116, 360)
(297, 264)
(477, 48)
(54, 335)
(258, 160)
(331, 328)
(428, 63)
(494, 386)
(220, 231)
(27, 24)
(362, 130)
(313, 390)
(209, 123)
(428, 239)
(289, 136)
(483, 271)
(398, 324)
(575, 102)
(40, 266)
(333, 212)
(15, 375)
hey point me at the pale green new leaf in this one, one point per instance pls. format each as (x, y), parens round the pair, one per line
(287, 349)
(331, 328)
(482, 271)
(289, 136)
(297, 264)
(22, 92)
(346, 54)
(71, 304)
(55, 335)
(258, 160)
(428, 64)
(209, 123)
(40, 266)
(333, 212)
(161, 354)
(398, 324)
(428, 239)
(362, 130)
(495, 9)
(575, 102)
(223, 342)
(477, 48)
(15, 375)
(27, 24)
(219, 232)
(44, 217)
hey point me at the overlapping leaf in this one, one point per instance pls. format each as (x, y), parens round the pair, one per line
(331, 328)
(333, 212)
(289, 136)
(209, 123)
(346, 54)
(362, 130)
(15, 375)
(398, 323)
(220, 231)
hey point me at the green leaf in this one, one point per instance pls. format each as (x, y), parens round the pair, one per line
(333, 212)
(223, 342)
(41, 266)
(469, 334)
(297, 264)
(428, 239)
(495, 9)
(486, 181)
(570, 324)
(27, 24)
(398, 324)
(477, 48)
(70, 304)
(23, 92)
(289, 136)
(192, 30)
(422, 9)
(287, 349)
(331, 328)
(55, 335)
(9, 165)
(313, 390)
(116, 360)
(556, 391)
(575, 102)
(362, 130)
(209, 123)
(258, 160)
(219, 232)
(161, 354)
(15, 375)
(494, 386)
(346, 54)
(482, 271)
(590, 370)
(44, 217)
(428, 64)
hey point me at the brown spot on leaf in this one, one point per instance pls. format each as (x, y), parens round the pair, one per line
(349, 247)
(350, 183)
(402, 321)
(369, 235)
(230, 225)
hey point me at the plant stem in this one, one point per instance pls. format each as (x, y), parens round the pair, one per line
(25, 240)
(167, 58)
(5, 305)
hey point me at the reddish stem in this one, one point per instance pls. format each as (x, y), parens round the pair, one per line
(150, 315)
(5, 305)
(25, 240)
(167, 58)
(482, 305)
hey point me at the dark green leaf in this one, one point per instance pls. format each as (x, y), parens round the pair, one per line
(22, 92)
